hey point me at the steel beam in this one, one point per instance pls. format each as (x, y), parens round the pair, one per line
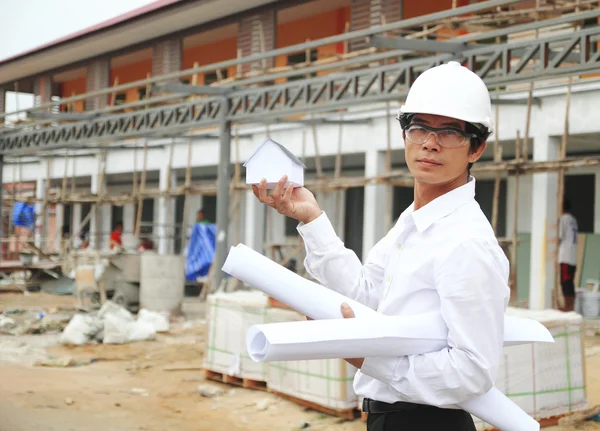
(407, 23)
(223, 181)
(416, 44)
(494, 63)
(175, 87)
(73, 116)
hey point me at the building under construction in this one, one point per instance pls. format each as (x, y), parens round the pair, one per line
(149, 117)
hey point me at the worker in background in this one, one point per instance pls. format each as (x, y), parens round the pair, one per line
(115, 235)
(441, 256)
(201, 217)
(567, 255)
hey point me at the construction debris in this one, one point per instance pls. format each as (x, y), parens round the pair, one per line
(113, 324)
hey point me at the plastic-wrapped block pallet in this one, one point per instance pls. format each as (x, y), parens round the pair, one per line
(229, 315)
(327, 383)
(545, 380)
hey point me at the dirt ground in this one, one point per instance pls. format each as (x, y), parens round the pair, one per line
(151, 385)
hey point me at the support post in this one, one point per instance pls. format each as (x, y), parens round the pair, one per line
(2, 206)
(543, 215)
(223, 180)
(374, 218)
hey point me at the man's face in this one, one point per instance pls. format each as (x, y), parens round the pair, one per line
(200, 216)
(433, 163)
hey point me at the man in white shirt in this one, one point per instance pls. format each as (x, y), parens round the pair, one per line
(567, 255)
(441, 255)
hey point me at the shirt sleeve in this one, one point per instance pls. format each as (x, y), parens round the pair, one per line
(472, 282)
(338, 268)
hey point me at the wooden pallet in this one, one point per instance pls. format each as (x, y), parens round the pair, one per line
(237, 381)
(348, 414)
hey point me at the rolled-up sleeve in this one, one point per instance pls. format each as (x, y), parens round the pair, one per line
(472, 283)
(338, 268)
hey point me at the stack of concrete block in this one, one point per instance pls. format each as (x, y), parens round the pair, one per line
(229, 315)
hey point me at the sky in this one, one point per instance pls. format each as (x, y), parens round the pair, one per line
(22, 30)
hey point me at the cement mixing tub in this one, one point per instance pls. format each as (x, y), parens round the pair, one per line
(162, 282)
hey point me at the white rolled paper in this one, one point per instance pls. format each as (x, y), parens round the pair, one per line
(318, 302)
(360, 337)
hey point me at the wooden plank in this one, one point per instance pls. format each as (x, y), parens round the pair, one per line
(236, 381)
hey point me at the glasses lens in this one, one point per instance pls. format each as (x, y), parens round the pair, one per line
(417, 134)
(450, 138)
(445, 137)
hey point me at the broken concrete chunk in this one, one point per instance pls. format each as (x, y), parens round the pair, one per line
(210, 391)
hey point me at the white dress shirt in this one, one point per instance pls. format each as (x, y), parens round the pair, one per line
(443, 257)
(567, 234)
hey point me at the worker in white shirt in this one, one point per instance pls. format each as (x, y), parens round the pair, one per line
(567, 254)
(441, 255)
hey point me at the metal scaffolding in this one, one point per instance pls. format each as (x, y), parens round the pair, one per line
(379, 74)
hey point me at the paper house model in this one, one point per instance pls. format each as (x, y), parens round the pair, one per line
(271, 161)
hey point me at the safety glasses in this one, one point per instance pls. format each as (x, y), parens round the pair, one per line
(446, 137)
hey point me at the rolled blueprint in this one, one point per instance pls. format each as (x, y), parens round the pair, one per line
(318, 302)
(351, 338)
(307, 297)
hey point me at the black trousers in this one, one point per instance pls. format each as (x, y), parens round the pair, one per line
(567, 279)
(421, 418)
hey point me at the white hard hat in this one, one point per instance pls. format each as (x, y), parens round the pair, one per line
(451, 90)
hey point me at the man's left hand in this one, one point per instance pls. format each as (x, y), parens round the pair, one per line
(349, 314)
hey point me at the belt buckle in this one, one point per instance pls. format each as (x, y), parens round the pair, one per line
(365, 405)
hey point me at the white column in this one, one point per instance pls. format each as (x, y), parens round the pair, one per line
(523, 206)
(333, 202)
(166, 213)
(374, 218)
(544, 218)
(193, 203)
(95, 223)
(255, 222)
(128, 218)
(59, 217)
(597, 203)
(76, 222)
(275, 225)
(106, 225)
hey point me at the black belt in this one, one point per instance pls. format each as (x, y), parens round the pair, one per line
(375, 407)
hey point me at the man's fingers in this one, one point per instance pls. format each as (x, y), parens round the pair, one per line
(285, 205)
(279, 188)
(347, 311)
(262, 193)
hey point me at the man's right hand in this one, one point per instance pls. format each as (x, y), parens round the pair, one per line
(295, 202)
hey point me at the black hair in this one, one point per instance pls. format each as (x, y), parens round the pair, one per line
(566, 205)
(118, 223)
(476, 141)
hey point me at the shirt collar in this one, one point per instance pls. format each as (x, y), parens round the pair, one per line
(441, 206)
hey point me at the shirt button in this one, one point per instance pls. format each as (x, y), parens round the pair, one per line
(399, 246)
(388, 279)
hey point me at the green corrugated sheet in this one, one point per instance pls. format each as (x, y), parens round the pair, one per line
(591, 258)
(590, 266)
